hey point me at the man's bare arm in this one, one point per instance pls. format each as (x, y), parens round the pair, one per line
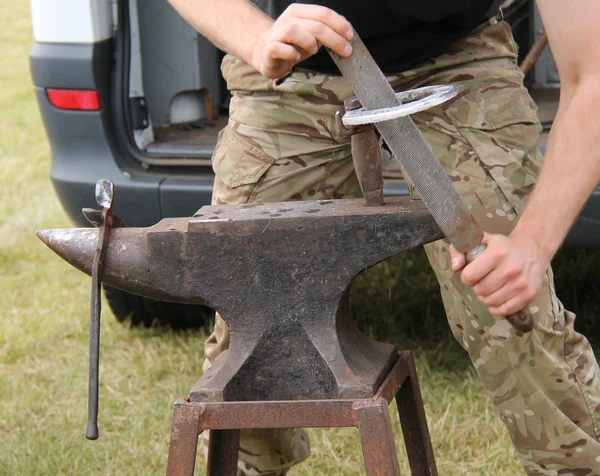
(572, 161)
(508, 275)
(272, 47)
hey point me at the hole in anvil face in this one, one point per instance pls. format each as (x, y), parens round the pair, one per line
(325, 202)
(248, 205)
(283, 210)
(312, 210)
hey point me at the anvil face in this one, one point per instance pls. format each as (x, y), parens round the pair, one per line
(279, 274)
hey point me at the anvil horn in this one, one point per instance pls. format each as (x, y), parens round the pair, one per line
(127, 265)
(75, 245)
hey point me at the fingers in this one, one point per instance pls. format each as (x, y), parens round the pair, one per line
(457, 259)
(512, 306)
(506, 292)
(326, 36)
(307, 26)
(507, 276)
(481, 266)
(282, 51)
(299, 33)
(334, 21)
(494, 280)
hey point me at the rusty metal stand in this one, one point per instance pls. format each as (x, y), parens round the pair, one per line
(370, 415)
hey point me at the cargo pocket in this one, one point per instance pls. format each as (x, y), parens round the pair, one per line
(503, 130)
(238, 165)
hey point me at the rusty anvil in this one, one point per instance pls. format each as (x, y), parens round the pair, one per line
(279, 274)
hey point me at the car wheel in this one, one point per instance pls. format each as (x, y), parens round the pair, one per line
(141, 311)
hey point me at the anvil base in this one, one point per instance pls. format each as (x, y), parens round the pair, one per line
(255, 369)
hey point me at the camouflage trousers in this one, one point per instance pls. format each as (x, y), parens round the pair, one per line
(282, 143)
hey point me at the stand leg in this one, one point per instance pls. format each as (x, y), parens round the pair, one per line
(184, 440)
(377, 438)
(414, 424)
(223, 449)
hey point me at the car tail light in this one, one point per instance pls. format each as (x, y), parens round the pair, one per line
(74, 99)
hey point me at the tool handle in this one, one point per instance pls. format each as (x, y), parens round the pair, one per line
(91, 432)
(521, 320)
(366, 155)
(534, 54)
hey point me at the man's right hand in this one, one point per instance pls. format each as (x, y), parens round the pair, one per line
(298, 34)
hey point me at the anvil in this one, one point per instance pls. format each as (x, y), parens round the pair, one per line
(279, 274)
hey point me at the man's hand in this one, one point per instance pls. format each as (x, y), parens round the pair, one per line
(272, 47)
(297, 34)
(507, 276)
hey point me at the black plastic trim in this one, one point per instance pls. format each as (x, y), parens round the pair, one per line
(70, 66)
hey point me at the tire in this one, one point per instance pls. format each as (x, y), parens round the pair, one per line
(140, 311)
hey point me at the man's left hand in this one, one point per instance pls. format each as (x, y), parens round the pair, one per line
(507, 276)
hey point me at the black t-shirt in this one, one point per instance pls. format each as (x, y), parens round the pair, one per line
(398, 33)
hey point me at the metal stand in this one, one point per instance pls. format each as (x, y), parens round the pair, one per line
(370, 415)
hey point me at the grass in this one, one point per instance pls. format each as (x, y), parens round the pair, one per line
(44, 337)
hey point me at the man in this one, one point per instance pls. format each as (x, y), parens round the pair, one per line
(282, 144)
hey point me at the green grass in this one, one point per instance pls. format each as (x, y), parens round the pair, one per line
(44, 336)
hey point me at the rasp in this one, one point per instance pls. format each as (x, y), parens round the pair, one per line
(418, 162)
